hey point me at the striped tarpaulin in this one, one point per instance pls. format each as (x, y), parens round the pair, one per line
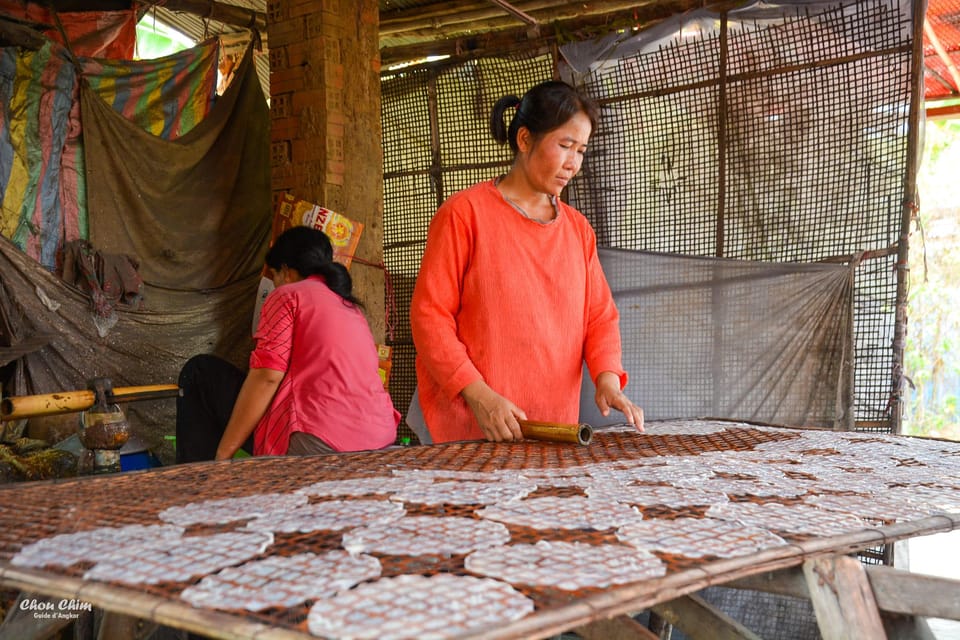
(167, 96)
(42, 173)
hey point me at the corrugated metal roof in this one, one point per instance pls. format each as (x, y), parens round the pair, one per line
(413, 22)
(941, 49)
(199, 29)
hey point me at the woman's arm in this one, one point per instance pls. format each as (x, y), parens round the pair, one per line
(437, 300)
(255, 396)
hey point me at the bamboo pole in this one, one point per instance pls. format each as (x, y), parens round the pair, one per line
(907, 212)
(440, 18)
(756, 75)
(17, 407)
(557, 431)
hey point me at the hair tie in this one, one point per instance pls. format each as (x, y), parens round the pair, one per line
(517, 104)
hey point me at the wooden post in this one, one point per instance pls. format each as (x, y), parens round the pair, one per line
(698, 620)
(619, 628)
(842, 599)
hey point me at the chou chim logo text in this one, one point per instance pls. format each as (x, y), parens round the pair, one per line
(52, 608)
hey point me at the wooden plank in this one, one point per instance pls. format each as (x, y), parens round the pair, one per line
(842, 598)
(894, 590)
(619, 628)
(949, 111)
(698, 620)
(785, 582)
(900, 591)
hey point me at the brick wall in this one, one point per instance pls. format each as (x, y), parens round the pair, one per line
(325, 143)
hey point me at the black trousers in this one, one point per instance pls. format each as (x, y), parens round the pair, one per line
(210, 388)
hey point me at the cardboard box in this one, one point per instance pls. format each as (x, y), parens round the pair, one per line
(343, 232)
(385, 356)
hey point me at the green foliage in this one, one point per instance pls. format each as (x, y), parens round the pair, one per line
(156, 40)
(932, 355)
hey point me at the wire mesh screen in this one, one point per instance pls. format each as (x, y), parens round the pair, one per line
(776, 138)
(759, 136)
(874, 302)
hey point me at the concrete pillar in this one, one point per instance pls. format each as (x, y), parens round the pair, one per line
(325, 142)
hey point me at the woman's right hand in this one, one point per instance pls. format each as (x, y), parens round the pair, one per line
(497, 416)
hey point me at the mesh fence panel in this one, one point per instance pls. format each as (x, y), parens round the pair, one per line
(781, 139)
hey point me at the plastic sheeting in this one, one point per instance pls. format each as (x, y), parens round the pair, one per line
(197, 211)
(742, 340)
(43, 180)
(104, 34)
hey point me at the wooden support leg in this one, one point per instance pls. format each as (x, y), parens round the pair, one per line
(115, 626)
(619, 628)
(698, 620)
(842, 599)
(660, 627)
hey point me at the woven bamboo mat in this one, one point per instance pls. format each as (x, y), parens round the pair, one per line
(470, 539)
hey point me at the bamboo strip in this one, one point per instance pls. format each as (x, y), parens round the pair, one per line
(127, 601)
(17, 407)
(640, 596)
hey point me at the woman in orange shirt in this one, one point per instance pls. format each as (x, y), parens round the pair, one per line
(511, 298)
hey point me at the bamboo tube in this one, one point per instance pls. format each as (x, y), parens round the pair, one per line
(17, 407)
(556, 431)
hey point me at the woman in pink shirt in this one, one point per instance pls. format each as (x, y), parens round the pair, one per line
(511, 298)
(312, 386)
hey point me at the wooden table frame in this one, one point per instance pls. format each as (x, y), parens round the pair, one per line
(850, 599)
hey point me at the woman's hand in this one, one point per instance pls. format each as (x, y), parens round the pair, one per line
(609, 395)
(496, 415)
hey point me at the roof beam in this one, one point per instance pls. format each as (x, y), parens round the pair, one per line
(453, 19)
(512, 10)
(462, 41)
(219, 11)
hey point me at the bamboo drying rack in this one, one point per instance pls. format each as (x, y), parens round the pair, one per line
(33, 511)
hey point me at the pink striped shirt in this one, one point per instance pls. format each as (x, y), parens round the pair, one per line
(331, 388)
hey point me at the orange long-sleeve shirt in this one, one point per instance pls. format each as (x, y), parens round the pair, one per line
(517, 303)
